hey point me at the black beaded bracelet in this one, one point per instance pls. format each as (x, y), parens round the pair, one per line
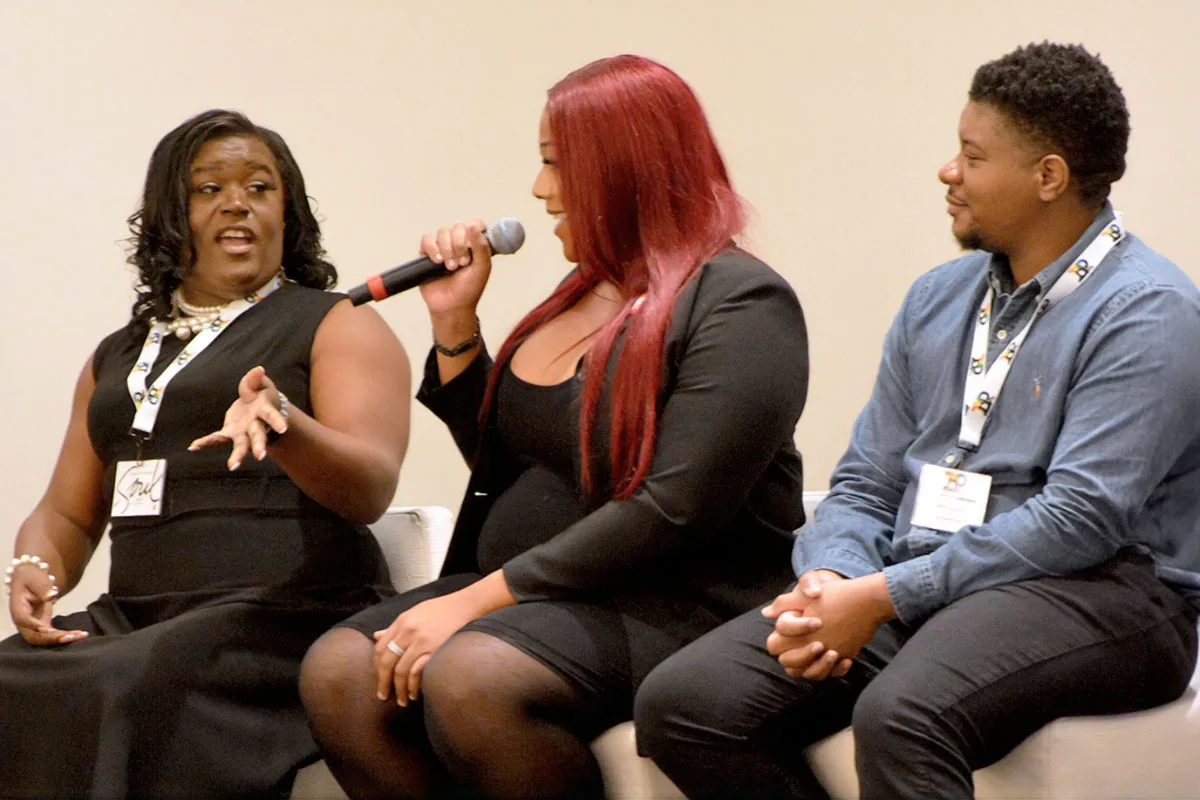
(461, 347)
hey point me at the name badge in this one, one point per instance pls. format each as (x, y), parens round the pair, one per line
(138, 489)
(948, 499)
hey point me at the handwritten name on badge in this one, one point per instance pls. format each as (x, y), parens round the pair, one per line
(138, 488)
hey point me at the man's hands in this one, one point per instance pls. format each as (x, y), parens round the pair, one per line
(823, 622)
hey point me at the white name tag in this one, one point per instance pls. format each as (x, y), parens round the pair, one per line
(948, 499)
(138, 489)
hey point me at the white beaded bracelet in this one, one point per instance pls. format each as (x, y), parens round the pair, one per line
(32, 561)
(285, 410)
(285, 407)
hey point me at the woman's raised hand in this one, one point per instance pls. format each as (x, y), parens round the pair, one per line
(464, 251)
(247, 420)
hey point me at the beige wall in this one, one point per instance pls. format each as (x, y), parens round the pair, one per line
(834, 117)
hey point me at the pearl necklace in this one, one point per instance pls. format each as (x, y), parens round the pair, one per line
(188, 319)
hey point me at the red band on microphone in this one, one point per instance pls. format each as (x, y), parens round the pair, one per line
(375, 284)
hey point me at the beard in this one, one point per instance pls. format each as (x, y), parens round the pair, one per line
(973, 240)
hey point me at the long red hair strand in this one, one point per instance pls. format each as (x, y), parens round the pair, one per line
(648, 201)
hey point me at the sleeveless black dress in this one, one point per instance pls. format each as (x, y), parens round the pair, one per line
(187, 683)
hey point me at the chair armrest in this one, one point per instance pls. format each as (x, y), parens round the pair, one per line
(414, 540)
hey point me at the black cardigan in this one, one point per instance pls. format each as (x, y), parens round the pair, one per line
(713, 519)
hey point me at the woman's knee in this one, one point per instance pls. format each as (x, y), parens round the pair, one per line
(338, 665)
(474, 668)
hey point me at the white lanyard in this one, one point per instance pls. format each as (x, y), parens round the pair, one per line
(147, 402)
(982, 389)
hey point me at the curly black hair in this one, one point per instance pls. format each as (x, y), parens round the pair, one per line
(1064, 98)
(161, 244)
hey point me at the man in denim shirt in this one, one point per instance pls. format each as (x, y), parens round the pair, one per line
(947, 618)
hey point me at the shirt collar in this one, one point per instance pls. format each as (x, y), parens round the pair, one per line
(1000, 274)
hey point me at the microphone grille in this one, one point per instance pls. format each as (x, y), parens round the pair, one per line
(505, 235)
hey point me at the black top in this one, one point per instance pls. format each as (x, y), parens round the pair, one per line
(187, 685)
(714, 517)
(195, 546)
(538, 427)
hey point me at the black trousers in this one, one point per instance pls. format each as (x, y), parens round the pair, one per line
(929, 705)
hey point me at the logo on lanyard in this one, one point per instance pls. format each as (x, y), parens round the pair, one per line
(1080, 269)
(983, 403)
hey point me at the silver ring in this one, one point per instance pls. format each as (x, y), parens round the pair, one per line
(395, 648)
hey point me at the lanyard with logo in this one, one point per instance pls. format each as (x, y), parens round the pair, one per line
(982, 388)
(138, 486)
(949, 499)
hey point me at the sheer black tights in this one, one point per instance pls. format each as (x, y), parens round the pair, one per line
(374, 748)
(495, 723)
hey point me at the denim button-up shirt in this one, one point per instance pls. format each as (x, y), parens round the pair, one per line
(1093, 445)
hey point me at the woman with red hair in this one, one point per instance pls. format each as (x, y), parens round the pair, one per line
(634, 481)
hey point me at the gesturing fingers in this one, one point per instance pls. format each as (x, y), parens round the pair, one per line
(252, 383)
(248, 419)
(241, 443)
(216, 437)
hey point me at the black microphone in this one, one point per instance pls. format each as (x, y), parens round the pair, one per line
(504, 236)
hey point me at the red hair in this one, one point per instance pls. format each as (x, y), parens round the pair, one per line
(648, 201)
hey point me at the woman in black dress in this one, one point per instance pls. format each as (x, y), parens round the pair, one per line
(634, 481)
(227, 562)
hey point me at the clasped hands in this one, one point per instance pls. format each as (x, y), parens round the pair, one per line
(822, 623)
